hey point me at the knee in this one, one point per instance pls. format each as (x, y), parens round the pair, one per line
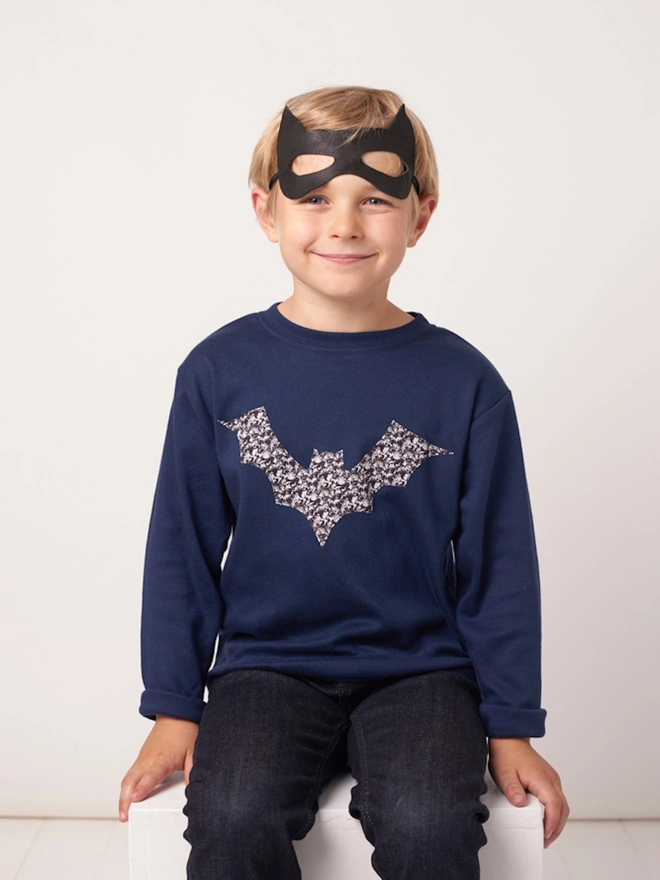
(227, 813)
(414, 837)
(237, 835)
(257, 811)
(418, 820)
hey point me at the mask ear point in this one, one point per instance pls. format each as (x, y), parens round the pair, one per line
(401, 119)
(290, 121)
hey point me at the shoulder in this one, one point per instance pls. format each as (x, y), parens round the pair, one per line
(465, 367)
(217, 355)
(237, 331)
(222, 348)
(459, 348)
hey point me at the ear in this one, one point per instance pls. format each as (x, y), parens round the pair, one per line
(427, 205)
(259, 197)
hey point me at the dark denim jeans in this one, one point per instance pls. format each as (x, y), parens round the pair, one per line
(268, 743)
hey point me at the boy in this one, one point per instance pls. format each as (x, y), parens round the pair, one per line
(379, 602)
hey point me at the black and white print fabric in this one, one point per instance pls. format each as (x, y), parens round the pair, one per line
(325, 491)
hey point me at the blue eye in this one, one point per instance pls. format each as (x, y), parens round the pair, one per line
(314, 200)
(376, 201)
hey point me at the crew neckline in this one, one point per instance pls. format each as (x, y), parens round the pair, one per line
(286, 329)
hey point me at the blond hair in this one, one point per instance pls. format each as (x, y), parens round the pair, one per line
(339, 108)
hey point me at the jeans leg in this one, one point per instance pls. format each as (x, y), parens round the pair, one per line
(417, 748)
(267, 742)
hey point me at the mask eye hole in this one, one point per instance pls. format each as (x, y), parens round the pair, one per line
(309, 163)
(386, 163)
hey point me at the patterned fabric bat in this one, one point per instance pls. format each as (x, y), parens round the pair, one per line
(326, 491)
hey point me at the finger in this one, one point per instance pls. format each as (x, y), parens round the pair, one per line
(126, 795)
(137, 785)
(553, 800)
(149, 780)
(552, 815)
(513, 789)
(553, 830)
(548, 791)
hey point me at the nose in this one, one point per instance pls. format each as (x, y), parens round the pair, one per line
(344, 222)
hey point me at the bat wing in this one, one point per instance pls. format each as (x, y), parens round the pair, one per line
(395, 458)
(260, 447)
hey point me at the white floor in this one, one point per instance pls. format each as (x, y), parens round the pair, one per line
(97, 849)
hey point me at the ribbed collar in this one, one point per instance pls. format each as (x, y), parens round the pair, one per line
(285, 329)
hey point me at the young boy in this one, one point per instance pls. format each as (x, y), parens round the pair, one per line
(379, 602)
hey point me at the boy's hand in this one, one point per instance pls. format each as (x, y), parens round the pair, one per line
(516, 766)
(168, 747)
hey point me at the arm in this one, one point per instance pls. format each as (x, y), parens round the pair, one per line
(498, 603)
(168, 747)
(516, 767)
(181, 609)
(499, 613)
(190, 525)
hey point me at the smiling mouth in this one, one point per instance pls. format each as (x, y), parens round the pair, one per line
(345, 259)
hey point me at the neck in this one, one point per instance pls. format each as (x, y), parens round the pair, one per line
(344, 317)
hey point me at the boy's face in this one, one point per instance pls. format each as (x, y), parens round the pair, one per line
(344, 240)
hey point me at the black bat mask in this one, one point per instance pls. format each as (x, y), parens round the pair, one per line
(295, 140)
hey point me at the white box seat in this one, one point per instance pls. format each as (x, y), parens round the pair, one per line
(335, 848)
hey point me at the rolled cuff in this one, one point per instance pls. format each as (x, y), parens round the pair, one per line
(163, 703)
(507, 722)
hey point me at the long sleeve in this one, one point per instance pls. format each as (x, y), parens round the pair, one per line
(497, 582)
(190, 525)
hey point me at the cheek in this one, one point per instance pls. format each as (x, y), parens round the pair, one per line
(298, 233)
(397, 242)
(294, 245)
(393, 231)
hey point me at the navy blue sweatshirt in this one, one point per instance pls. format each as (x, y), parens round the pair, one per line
(371, 490)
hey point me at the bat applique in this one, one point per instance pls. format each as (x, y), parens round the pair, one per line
(326, 491)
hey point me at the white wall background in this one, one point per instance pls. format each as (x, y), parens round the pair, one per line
(126, 236)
